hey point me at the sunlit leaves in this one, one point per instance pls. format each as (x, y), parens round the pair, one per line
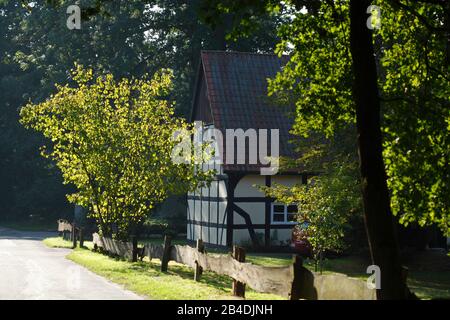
(414, 80)
(416, 91)
(113, 141)
(327, 203)
(317, 78)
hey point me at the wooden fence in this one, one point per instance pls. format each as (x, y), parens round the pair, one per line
(69, 231)
(293, 281)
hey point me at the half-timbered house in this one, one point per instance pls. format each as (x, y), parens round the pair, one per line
(231, 93)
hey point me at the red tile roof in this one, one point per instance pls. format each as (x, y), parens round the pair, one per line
(236, 88)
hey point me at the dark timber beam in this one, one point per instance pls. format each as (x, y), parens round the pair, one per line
(268, 202)
(233, 180)
(248, 223)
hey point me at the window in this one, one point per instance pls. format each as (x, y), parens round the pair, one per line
(284, 214)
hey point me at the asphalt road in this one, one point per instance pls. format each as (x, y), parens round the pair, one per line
(32, 271)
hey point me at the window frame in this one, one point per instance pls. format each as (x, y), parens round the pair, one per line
(285, 214)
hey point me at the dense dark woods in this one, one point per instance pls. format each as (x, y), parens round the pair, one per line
(124, 38)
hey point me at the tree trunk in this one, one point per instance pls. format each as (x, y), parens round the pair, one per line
(378, 217)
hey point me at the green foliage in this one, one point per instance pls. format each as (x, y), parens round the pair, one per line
(317, 79)
(125, 38)
(113, 140)
(416, 89)
(325, 204)
(413, 72)
(162, 226)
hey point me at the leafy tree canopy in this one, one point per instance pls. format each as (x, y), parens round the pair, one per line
(124, 38)
(113, 140)
(412, 54)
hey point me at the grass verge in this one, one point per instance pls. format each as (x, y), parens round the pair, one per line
(57, 242)
(145, 279)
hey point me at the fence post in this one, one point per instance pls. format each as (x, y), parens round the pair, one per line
(135, 249)
(74, 235)
(81, 234)
(166, 254)
(297, 264)
(59, 228)
(238, 288)
(198, 269)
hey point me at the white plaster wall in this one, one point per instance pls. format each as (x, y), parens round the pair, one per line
(282, 235)
(197, 233)
(242, 236)
(237, 219)
(255, 210)
(197, 211)
(222, 189)
(213, 235)
(245, 186)
(222, 212)
(188, 232)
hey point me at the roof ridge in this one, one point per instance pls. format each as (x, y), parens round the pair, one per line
(240, 52)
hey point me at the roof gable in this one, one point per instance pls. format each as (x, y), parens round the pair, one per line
(235, 95)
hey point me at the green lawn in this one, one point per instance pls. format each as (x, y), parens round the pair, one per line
(430, 285)
(145, 278)
(176, 241)
(58, 242)
(269, 260)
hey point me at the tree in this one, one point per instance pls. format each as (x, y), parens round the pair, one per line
(125, 38)
(29, 184)
(326, 206)
(129, 38)
(416, 106)
(113, 140)
(377, 210)
(330, 205)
